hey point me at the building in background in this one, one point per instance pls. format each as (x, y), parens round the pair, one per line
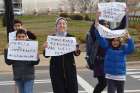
(31, 6)
(44, 6)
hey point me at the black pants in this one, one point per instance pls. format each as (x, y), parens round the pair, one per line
(115, 85)
(100, 85)
(64, 83)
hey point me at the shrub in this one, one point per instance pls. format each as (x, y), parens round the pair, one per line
(87, 18)
(64, 15)
(76, 17)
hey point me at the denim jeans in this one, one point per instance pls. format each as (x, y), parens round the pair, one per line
(115, 85)
(25, 86)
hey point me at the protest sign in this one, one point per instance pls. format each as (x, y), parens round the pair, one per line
(107, 33)
(60, 45)
(12, 36)
(112, 11)
(23, 50)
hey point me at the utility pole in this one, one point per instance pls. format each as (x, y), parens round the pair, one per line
(9, 16)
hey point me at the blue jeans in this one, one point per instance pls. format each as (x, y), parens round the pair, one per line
(25, 86)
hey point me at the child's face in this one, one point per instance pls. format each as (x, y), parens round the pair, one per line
(116, 42)
(106, 24)
(17, 26)
(61, 25)
(21, 37)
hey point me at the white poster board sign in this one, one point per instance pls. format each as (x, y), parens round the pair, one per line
(23, 50)
(60, 45)
(12, 36)
(107, 33)
(112, 11)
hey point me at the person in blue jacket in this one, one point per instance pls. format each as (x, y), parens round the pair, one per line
(115, 60)
(95, 54)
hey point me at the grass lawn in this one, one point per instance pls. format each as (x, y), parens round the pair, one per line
(45, 25)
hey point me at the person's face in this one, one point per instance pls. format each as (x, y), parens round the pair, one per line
(106, 24)
(17, 26)
(21, 37)
(116, 42)
(61, 25)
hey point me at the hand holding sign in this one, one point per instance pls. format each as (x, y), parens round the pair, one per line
(45, 45)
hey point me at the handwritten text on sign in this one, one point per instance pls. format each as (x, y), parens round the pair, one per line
(107, 33)
(23, 50)
(60, 45)
(112, 12)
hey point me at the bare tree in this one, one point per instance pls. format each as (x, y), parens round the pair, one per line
(83, 5)
(86, 5)
(133, 7)
(72, 4)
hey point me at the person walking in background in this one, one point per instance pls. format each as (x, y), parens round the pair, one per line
(23, 71)
(62, 68)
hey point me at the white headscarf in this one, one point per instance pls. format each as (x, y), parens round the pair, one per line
(58, 33)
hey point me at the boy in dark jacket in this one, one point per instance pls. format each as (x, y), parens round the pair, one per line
(19, 25)
(23, 70)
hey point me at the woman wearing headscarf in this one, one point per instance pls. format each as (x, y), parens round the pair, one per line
(62, 68)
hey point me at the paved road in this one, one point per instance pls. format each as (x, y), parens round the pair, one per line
(85, 80)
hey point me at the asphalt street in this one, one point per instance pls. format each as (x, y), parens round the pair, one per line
(85, 80)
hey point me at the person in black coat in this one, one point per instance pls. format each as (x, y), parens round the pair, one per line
(98, 65)
(23, 71)
(19, 25)
(62, 68)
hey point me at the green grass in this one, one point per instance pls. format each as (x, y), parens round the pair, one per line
(44, 25)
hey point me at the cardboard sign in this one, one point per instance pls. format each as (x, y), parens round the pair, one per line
(112, 11)
(23, 50)
(60, 45)
(107, 33)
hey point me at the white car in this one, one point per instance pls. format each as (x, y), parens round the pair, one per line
(2, 11)
(18, 11)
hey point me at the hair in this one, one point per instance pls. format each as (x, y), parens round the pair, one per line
(120, 43)
(21, 31)
(17, 21)
(102, 22)
(60, 18)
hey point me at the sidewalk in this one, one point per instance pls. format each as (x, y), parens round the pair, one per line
(80, 63)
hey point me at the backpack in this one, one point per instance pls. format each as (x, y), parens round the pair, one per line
(91, 50)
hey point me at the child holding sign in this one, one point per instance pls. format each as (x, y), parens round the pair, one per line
(62, 68)
(19, 25)
(23, 71)
(114, 62)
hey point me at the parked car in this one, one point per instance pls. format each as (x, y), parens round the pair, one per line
(15, 10)
(2, 11)
(18, 11)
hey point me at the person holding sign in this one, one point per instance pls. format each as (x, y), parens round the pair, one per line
(95, 54)
(114, 62)
(19, 25)
(62, 67)
(23, 70)
(95, 57)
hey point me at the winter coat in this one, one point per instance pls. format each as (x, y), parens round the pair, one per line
(22, 70)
